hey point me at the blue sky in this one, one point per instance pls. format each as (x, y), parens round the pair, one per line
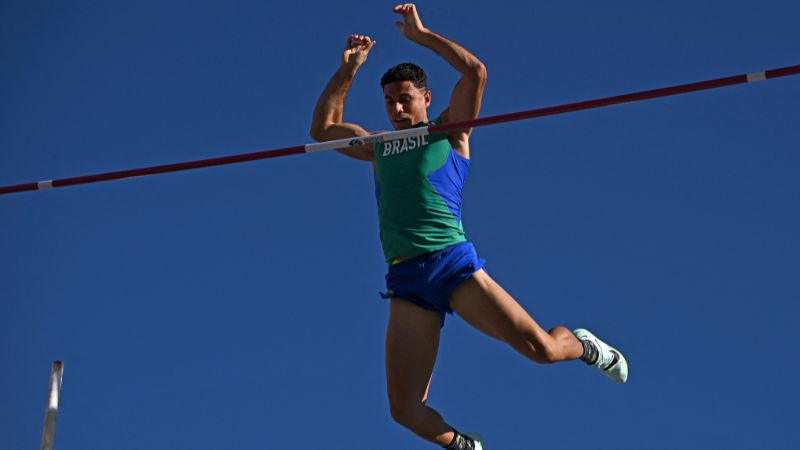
(237, 307)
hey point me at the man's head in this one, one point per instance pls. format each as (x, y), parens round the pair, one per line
(406, 95)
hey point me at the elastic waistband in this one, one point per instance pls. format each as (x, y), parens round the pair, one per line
(403, 259)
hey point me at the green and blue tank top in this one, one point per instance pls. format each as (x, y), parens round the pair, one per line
(418, 186)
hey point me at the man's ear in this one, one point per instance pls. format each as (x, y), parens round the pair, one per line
(427, 98)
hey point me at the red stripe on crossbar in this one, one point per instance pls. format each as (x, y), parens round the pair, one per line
(265, 154)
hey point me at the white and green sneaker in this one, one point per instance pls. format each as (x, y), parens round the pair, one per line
(609, 360)
(477, 439)
(469, 441)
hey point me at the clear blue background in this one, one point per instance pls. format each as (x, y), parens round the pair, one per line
(236, 307)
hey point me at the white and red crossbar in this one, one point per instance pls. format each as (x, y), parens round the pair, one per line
(392, 135)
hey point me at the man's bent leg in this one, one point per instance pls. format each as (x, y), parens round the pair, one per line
(412, 341)
(482, 303)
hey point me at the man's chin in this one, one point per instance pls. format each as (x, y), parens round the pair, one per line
(402, 124)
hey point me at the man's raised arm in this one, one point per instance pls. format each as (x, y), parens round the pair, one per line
(465, 102)
(327, 124)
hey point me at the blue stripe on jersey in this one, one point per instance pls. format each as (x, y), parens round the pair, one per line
(448, 181)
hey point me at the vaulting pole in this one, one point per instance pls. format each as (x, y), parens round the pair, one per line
(421, 131)
(51, 412)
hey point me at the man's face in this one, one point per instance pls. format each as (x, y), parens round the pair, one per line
(406, 104)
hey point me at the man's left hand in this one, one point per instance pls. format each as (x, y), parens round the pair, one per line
(411, 27)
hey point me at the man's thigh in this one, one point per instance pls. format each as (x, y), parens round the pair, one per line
(485, 305)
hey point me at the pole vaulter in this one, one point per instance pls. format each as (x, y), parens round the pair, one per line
(421, 131)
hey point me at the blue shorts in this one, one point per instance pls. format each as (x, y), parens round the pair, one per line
(428, 280)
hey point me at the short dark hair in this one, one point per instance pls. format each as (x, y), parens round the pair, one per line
(406, 72)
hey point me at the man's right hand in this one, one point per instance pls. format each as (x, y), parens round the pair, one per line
(356, 51)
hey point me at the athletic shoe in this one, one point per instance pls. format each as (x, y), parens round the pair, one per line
(609, 360)
(466, 442)
(478, 441)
